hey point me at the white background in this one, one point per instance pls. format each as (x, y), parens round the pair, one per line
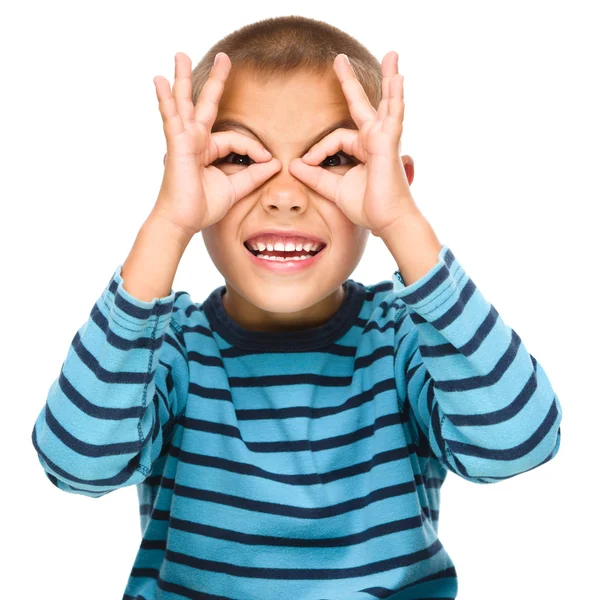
(497, 121)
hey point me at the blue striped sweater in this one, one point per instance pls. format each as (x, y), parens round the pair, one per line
(305, 464)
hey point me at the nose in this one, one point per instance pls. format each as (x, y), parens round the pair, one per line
(285, 193)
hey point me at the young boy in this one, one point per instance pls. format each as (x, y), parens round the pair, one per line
(289, 435)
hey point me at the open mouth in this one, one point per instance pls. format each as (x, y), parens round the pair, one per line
(284, 255)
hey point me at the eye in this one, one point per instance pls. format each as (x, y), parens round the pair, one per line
(224, 160)
(241, 157)
(332, 158)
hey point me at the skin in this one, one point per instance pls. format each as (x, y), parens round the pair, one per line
(286, 114)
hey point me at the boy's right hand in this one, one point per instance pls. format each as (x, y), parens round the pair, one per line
(194, 194)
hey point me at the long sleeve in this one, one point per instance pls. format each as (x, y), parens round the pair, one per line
(484, 403)
(123, 383)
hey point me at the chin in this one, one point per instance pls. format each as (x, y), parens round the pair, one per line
(284, 301)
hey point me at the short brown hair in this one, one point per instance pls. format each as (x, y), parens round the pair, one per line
(280, 45)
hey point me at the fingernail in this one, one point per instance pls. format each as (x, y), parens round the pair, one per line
(216, 58)
(348, 60)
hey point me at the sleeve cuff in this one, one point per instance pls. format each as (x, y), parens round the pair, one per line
(433, 289)
(134, 314)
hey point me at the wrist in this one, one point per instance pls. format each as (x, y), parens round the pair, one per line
(181, 235)
(413, 245)
(409, 220)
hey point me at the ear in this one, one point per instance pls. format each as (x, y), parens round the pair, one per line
(164, 161)
(409, 167)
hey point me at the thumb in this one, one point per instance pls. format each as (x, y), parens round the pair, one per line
(247, 180)
(320, 180)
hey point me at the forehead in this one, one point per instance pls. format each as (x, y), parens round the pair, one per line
(243, 84)
(296, 104)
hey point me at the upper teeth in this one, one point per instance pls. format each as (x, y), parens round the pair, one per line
(288, 246)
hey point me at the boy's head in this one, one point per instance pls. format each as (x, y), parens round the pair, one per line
(283, 88)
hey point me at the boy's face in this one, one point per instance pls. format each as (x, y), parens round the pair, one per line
(287, 115)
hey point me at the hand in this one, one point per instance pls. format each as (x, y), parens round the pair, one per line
(374, 194)
(194, 194)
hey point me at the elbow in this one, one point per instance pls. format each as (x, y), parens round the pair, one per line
(91, 485)
(486, 466)
(475, 460)
(87, 477)
(66, 487)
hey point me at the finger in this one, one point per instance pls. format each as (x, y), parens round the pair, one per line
(173, 124)
(359, 105)
(316, 178)
(395, 117)
(343, 139)
(206, 108)
(247, 180)
(390, 64)
(389, 69)
(383, 105)
(181, 89)
(224, 142)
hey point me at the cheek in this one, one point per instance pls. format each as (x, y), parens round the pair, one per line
(354, 245)
(222, 237)
(222, 240)
(215, 238)
(344, 229)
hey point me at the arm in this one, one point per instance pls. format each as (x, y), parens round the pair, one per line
(126, 376)
(483, 402)
(124, 380)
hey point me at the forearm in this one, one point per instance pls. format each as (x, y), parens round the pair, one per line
(149, 270)
(414, 246)
(484, 402)
(109, 412)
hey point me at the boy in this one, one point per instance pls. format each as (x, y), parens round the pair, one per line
(289, 435)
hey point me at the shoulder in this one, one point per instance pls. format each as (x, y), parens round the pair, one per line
(381, 306)
(192, 319)
(186, 312)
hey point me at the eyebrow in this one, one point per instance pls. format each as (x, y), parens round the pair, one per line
(231, 124)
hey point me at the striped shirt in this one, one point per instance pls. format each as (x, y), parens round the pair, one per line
(303, 464)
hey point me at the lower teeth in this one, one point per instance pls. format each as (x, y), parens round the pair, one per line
(284, 259)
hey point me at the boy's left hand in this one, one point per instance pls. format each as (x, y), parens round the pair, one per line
(375, 193)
